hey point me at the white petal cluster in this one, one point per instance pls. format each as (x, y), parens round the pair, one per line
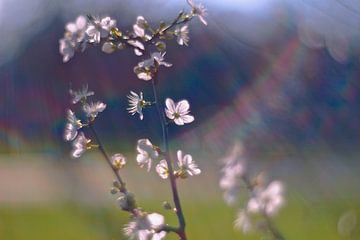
(144, 68)
(80, 145)
(187, 167)
(140, 26)
(136, 104)
(198, 10)
(74, 38)
(162, 169)
(81, 95)
(146, 153)
(182, 35)
(93, 109)
(100, 28)
(178, 112)
(233, 170)
(146, 227)
(268, 200)
(72, 126)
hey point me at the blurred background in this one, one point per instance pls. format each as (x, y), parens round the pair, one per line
(280, 76)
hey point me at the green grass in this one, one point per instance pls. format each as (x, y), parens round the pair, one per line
(206, 220)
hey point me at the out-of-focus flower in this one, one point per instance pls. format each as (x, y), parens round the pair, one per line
(118, 161)
(80, 145)
(108, 47)
(136, 104)
(233, 170)
(198, 10)
(93, 109)
(138, 47)
(182, 35)
(73, 38)
(187, 166)
(100, 28)
(243, 221)
(178, 112)
(80, 95)
(269, 200)
(77, 29)
(146, 153)
(71, 126)
(145, 227)
(66, 49)
(162, 169)
(140, 26)
(347, 223)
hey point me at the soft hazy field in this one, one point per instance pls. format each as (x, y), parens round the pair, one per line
(47, 200)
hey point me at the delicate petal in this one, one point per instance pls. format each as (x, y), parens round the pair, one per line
(182, 107)
(146, 153)
(93, 109)
(70, 132)
(108, 47)
(187, 118)
(162, 169)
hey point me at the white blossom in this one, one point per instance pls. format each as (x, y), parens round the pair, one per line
(77, 29)
(143, 73)
(187, 166)
(80, 145)
(140, 26)
(145, 227)
(233, 170)
(243, 221)
(80, 95)
(178, 112)
(100, 28)
(198, 10)
(108, 47)
(144, 69)
(136, 104)
(269, 200)
(182, 35)
(138, 47)
(118, 161)
(146, 153)
(73, 38)
(162, 169)
(93, 109)
(156, 59)
(71, 126)
(67, 48)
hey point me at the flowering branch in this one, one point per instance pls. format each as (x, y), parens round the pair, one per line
(265, 201)
(269, 224)
(94, 31)
(181, 229)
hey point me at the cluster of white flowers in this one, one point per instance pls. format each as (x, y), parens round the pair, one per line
(91, 110)
(147, 43)
(263, 200)
(234, 168)
(147, 153)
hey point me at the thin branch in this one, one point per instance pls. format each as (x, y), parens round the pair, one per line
(181, 230)
(106, 156)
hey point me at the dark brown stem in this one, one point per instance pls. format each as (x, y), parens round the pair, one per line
(106, 156)
(269, 224)
(181, 229)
